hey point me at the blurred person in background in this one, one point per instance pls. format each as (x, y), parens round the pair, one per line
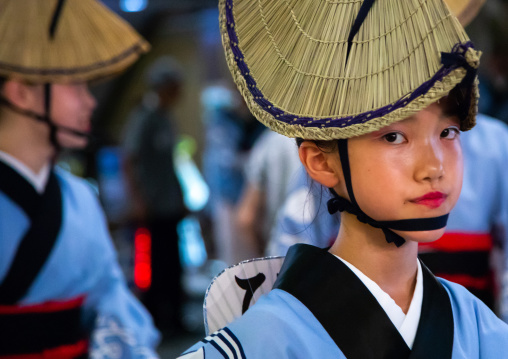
(230, 132)
(156, 196)
(62, 293)
(271, 167)
(492, 29)
(303, 217)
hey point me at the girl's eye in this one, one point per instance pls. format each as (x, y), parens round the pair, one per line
(394, 137)
(450, 133)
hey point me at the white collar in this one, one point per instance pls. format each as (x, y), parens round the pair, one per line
(37, 180)
(406, 324)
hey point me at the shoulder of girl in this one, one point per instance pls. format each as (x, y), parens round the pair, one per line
(222, 344)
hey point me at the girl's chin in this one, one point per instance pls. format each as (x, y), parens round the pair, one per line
(71, 142)
(422, 236)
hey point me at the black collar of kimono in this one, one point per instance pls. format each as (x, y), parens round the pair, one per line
(353, 317)
(338, 203)
(45, 214)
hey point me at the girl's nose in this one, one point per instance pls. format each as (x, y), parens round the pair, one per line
(429, 165)
(92, 100)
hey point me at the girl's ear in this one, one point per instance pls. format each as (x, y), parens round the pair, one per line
(322, 167)
(22, 95)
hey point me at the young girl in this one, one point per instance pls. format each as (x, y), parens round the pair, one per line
(378, 91)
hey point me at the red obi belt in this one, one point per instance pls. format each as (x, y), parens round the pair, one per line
(463, 258)
(49, 330)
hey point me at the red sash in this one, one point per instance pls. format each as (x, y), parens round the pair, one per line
(463, 258)
(49, 330)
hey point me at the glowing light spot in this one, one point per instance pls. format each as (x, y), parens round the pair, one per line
(143, 259)
(133, 5)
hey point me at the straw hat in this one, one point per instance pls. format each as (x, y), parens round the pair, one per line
(47, 41)
(465, 10)
(302, 78)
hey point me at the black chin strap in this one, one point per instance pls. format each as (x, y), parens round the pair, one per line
(338, 203)
(47, 110)
(44, 118)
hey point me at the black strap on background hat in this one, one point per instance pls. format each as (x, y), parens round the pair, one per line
(47, 111)
(56, 17)
(338, 203)
(47, 86)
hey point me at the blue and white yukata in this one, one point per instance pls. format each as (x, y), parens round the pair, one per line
(59, 274)
(320, 309)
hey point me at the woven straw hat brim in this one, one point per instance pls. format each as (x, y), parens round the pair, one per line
(90, 42)
(288, 59)
(465, 10)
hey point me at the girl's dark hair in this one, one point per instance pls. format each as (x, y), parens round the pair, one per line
(457, 102)
(325, 146)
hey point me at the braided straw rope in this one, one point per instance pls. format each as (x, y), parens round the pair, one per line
(295, 52)
(90, 41)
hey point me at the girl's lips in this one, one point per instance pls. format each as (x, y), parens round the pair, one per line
(431, 199)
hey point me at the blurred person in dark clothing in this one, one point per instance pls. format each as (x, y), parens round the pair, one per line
(157, 199)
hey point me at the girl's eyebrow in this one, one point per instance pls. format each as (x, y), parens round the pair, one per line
(393, 127)
(377, 133)
(449, 115)
(382, 131)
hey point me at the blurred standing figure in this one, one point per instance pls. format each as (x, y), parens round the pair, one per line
(230, 133)
(157, 198)
(303, 218)
(62, 293)
(273, 165)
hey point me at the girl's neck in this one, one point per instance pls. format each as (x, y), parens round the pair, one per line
(27, 141)
(393, 269)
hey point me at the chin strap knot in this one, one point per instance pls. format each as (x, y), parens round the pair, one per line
(340, 204)
(392, 237)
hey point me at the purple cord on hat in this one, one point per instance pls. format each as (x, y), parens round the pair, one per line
(458, 52)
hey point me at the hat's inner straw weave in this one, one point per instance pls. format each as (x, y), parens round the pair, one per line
(364, 10)
(306, 61)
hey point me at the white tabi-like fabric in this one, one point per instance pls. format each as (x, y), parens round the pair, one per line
(406, 324)
(37, 180)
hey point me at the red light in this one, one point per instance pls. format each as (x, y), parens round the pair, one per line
(143, 258)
